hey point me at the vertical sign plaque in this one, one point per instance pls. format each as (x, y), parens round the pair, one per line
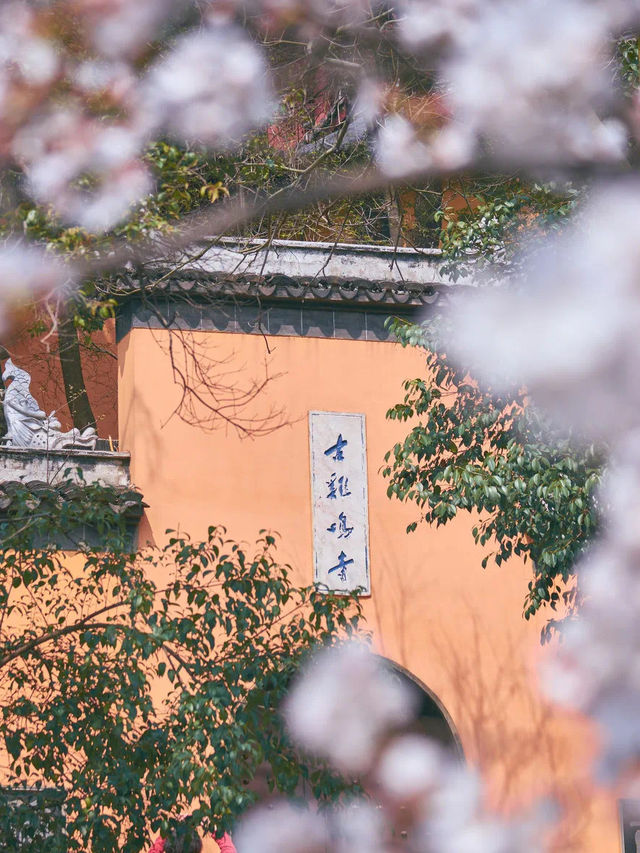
(339, 501)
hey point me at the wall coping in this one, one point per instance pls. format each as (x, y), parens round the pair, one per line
(316, 261)
(51, 466)
(319, 245)
(243, 286)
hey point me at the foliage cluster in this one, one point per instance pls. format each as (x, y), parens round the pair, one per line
(470, 450)
(485, 232)
(28, 511)
(143, 683)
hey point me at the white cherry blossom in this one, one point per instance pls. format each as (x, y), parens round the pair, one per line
(121, 28)
(58, 148)
(282, 828)
(425, 24)
(411, 767)
(28, 272)
(568, 329)
(359, 828)
(213, 87)
(529, 78)
(399, 151)
(342, 703)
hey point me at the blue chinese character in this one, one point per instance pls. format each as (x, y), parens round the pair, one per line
(341, 487)
(340, 527)
(337, 449)
(341, 567)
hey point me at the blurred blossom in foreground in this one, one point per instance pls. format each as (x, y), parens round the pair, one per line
(24, 54)
(369, 101)
(359, 828)
(120, 189)
(457, 820)
(213, 87)
(433, 23)
(342, 703)
(26, 272)
(529, 78)
(120, 28)
(282, 828)
(59, 148)
(115, 80)
(570, 331)
(328, 12)
(598, 668)
(400, 151)
(345, 708)
(411, 767)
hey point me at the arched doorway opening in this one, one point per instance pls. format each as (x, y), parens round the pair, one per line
(432, 718)
(432, 721)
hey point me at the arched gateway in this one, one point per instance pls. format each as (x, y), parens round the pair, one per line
(432, 718)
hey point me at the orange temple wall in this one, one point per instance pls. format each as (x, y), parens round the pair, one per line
(457, 628)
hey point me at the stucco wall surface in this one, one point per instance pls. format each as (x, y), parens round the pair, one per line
(433, 610)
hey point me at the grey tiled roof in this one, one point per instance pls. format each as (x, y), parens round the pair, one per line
(355, 291)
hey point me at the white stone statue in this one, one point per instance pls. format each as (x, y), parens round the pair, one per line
(28, 425)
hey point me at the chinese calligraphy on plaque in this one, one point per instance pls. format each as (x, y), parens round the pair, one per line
(340, 501)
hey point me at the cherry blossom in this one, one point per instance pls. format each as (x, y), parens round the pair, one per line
(24, 54)
(282, 828)
(342, 703)
(571, 339)
(411, 767)
(425, 24)
(58, 148)
(597, 669)
(119, 28)
(347, 708)
(530, 79)
(27, 271)
(212, 87)
(359, 828)
(399, 151)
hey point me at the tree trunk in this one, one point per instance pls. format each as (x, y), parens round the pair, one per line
(74, 384)
(394, 216)
(403, 222)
